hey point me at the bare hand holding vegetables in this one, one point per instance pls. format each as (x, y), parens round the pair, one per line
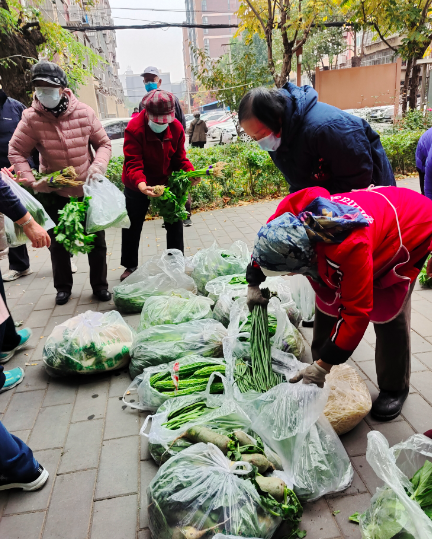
(312, 374)
(35, 233)
(147, 190)
(8, 172)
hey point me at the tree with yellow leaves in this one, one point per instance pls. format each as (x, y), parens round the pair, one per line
(291, 19)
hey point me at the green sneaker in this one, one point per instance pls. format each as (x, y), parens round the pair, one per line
(25, 335)
(13, 378)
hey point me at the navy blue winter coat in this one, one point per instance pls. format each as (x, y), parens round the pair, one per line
(10, 116)
(323, 145)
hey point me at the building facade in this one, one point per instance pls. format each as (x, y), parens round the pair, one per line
(104, 91)
(214, 41)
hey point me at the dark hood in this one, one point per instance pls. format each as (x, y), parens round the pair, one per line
(299, 101)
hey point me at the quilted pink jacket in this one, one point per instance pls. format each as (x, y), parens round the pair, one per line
(61, 142)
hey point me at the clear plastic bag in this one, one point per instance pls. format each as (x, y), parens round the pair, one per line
(215, 261)
(304, 296)
(286, 338)
(201, 489)
(288, 419)
(162, 344)
(149, 398)
(107, 207)
(14, 233)
(393, 513)
(349, 400)
(88, 343)
(173, 309)
(159, 276)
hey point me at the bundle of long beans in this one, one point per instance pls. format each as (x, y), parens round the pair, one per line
(259, 375)
(179, 417)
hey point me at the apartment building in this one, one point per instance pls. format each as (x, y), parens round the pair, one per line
(104, 91)
(214, 41)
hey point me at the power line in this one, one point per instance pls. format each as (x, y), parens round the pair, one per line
(147, 26)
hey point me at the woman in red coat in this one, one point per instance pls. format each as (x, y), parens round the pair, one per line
(362, 252)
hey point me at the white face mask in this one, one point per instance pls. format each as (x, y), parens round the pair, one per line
(157, 128)
(49, 97)
(270, 143)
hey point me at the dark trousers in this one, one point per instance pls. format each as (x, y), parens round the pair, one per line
(9, 337)
(137, 205)
(61, 259)
(198, 144)
(19, 258)
(188, 205)
(421, 178)
(392, 351)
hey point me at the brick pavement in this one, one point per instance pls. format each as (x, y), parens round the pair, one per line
(99, 466)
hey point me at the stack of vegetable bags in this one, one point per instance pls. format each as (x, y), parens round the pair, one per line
(224, 290)
(159, 276)
(15, 233)
(88, 343)
(215, 262)
(176, 308)
(107, 205)
(183, 377)
(165, 343)
(402, 509)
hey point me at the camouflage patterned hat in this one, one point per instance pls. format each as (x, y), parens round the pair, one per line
(49, 72)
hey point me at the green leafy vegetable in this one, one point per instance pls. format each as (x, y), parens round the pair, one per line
(354, 517)
(70, 230)
(237, 279)
(424, 280)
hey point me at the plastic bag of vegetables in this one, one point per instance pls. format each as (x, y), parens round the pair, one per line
(174, 309)
(215, 261)
(107, 207)
(157, 384)
(159, 276)
(283, 335)
(402, 509)
(165, 343)
(14, 233)
(289, 419)
(88, 343)
(304, 296)
(201, 492)
(236, 286)
(349, 400)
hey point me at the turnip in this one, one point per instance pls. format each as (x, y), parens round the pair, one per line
(205, 435)
(260, 461)
(273, 486)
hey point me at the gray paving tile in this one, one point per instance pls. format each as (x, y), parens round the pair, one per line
(91, 400)
(53, 322)
(426, 359)
(357, 487)
(23, 409)
(118, 469)
(347, 506)
(22, 435)
(120, 381)
(148, 471)
(422, 381)
(355, 441)
(365, 471)
(116, 517)
(5, 398)
(75, 457)
(120, 420)
(60, 391)
(66, 309)
(35, 378)
(318, 521)
(421, 324)
(417, 365)
(363, 352)
(395, 432)
(419, 344)
(417, 412)
(144, 534)
(39, 318)
(51, 427)
(369, 368)
(27, 526)
(71, 505)
(23, 502)
(47, 301)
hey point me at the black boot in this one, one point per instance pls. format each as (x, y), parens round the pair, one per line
(389, 404)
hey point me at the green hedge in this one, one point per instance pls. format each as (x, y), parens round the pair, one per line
(249, 174)
(400, 148)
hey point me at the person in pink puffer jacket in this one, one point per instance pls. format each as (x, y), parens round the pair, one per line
(62, 129)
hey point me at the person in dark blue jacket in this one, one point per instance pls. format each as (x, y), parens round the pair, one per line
(10, 115)
(313, 143)
(424, 163)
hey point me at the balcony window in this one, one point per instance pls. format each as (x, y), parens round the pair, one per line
(204, 5)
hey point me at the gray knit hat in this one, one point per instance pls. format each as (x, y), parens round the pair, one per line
(49, 72)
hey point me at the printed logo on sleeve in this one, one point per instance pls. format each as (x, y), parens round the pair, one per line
(350, 202)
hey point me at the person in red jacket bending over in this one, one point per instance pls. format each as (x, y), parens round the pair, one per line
(153, 148)
(362, 252)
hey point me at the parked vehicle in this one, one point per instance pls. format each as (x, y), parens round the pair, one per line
(115, 128)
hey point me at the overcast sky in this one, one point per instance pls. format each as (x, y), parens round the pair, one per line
(140, 48)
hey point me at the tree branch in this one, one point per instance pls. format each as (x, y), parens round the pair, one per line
(375, 25)
(257, 15)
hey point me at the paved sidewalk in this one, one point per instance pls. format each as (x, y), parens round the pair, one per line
(83, 434)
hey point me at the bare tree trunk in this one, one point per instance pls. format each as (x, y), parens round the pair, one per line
(415, 80)
(405, 87)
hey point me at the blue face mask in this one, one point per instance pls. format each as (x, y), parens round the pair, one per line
(149, 86)
(157, 128)
(270, 143)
